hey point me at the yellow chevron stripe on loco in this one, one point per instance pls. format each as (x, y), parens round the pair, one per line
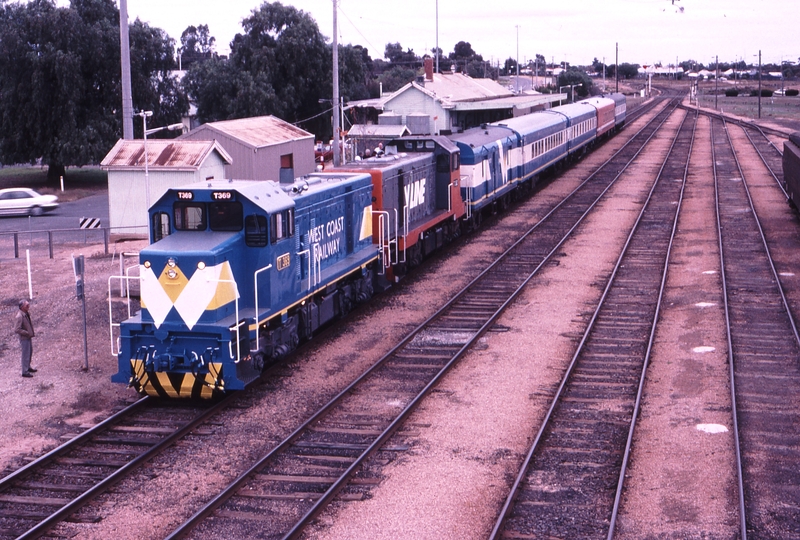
(225, 292)
(366, 224)
(173, 286)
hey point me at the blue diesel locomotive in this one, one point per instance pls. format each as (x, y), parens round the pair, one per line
(238, 273)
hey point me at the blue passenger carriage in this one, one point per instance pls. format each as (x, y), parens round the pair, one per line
(238, 273)
(581, 125)
(543, 141)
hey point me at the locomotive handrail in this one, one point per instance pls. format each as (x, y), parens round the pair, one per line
(467, 198)
(111, 323)
(406, 216)
(236, 318)
(383, 218)
(255, 289)
(307, 253)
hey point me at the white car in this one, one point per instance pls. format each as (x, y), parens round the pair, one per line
(25, 202)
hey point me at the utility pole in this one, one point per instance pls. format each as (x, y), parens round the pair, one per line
(437, 37)
(716, 83)
(517, 80)
(125, 60)
(335, 100)
(759, 84)
(616, 68)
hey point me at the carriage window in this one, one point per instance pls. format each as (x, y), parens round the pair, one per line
(282, 225)
(160, 226)
(456, 161)
(189, 217)
(225, 216)
(255, 231)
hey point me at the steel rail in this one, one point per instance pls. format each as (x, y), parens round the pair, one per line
(185, 528)
(763, 158)
(775, 274)
(776, 281)
(735, 419)
(73, 442)
(651, 341)
(507, 506)
(62, 513)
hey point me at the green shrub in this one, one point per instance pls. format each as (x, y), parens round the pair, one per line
(766, 92)
(732, 92)
(792, 92)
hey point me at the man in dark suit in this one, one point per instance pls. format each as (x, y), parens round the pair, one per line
(23, 327)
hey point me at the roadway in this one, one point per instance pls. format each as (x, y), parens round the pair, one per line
(66, 216)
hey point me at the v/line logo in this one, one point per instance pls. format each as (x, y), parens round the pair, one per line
(415, 193)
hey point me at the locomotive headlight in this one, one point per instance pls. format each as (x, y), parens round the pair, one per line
(172, 273)
(147, 264)
(171, 262)
(201, 265)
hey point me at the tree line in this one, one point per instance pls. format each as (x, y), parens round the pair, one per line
(60, 81)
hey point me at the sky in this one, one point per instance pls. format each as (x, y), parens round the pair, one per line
(577, 31)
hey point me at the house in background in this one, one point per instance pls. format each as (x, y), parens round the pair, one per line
(262, 148)
(445, 103)
(170, 163)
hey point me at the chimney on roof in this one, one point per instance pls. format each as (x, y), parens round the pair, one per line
(429, 69)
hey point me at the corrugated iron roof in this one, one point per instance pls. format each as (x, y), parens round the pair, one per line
(172, 154)
(258, 131)
(377, 131)
(460, 87)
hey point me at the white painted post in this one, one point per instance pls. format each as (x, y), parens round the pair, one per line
(30, 283)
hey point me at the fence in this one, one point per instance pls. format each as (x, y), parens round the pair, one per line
(39, 239)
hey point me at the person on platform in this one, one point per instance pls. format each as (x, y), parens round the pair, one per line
(23, 327)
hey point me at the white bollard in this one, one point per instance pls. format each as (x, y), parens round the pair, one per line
(30, 283)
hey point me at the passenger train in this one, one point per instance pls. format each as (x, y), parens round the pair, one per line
(238, 273)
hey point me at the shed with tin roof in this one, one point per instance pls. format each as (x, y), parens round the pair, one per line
(140, 172)
(262, 148)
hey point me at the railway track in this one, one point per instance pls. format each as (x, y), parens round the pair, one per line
(51, 489)
(770, 154)
(569, 484)
(764, 358)
(283, 492)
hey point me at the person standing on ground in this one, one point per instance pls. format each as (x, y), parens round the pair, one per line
(23, 327)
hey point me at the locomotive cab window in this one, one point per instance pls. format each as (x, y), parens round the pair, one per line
(255, 230)
(189, 216)
(225, 216)
(282, 225)
(160, 225)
